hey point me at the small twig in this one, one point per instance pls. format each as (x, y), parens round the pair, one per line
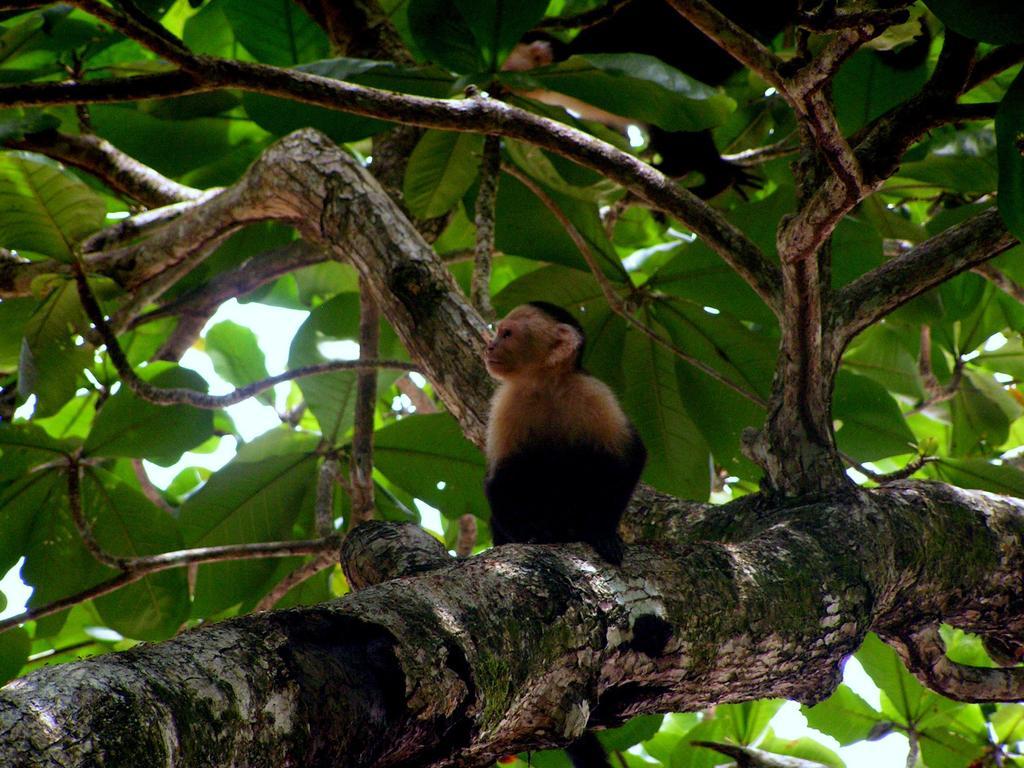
(305, 571)
(490, 171)
(179, 396)
(586, 18)
(758, 155)
(141, 223)
(149, 490)
(913, 745)
(138, 567)
(883, 478)
(1001, 281)
(610, 295)
(937, 392)
(361, 466)
(82, 525)
(467, 536)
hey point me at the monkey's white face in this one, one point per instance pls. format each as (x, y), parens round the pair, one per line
(529, 343)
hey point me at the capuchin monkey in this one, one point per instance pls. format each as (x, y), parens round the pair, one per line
(562, 456)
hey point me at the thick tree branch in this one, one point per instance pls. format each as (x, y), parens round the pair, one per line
(478, 115)
(486, 198)
(98, 157)
(874, 295)
(749, 603)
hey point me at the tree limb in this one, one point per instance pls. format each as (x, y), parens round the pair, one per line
(98, 157)
(877, 293)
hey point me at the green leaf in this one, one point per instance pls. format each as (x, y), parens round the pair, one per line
(14, 314)
(264, 494)
(993, 21)
(127, 524)
(689, 755)
(745, 723)
(844, 716)
(237, 357)
(866, 87)
(982, 411)
(677, 454)
(880, 354)
(1010, 151)
(803, 748)
(869, 423)
(131, 427)
(429, 457)
(904, 695)
(44, 208)
(981, 474)
(1008, 722)
(50, 360)
(330, 396)
(498, 26)
(547, 169)
(525, 227)
(634, 731)
(21, 502)
(15, 647)
(441, 168)
(697, 273)
(444, 36)
(942, 748)
(275, 32)
(633, 85)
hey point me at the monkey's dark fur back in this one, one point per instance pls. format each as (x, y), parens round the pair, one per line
(551, 492)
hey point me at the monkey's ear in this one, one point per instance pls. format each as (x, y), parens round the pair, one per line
(567, 345)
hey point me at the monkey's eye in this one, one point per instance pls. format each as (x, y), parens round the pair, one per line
(506, 333)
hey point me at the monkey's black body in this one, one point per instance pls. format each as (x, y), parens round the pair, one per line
(551, 492)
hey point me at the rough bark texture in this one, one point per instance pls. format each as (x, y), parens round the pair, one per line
(522, 646)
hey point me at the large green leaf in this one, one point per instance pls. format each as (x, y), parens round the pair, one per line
(330, 396)
(982, 411)
(441, 168)
(526, 227)
(498, 26)
(127, 524)
(745, 723)
(865, 87)
(868, 421)
(275, 32)
(20, 503)
(15, 646)
(844, 716)
(25, 446)
(237, 356)
(981, 474)
(14, 314)
(677, 454)
(1010, 151)
(803, 748)
(429, 457)
(131, 427)
(903, 696)
(443, 35)
(633, 85)
(264, 494)
(51, 360)
(994, 21)
(44, 208)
